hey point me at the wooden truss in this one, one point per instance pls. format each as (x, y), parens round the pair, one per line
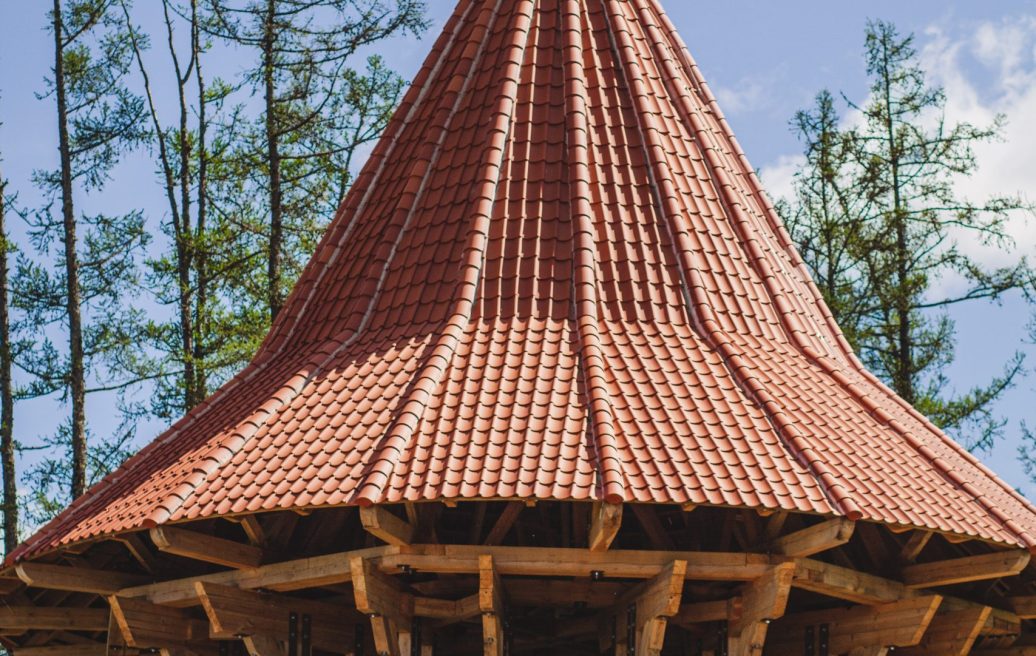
(401, 598)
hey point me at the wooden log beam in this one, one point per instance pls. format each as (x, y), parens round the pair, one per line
(290, 575)
(1024, 607)
(137, 549)
(206, 548)
(491, 603)
(447, 610)
(385, 526)
(578, 563)
(815, 539)
(701, 612)
(964, 570)
(763, 601)
(149, 626)
(951, 633)
(234, 612)
(914, 545)
(844, 583)
(75, 579)
(652, 603)
(391, 610)
(899, 624)
(80, 649)
(17, 619)
(605, 520)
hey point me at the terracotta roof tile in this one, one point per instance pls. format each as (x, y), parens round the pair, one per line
(557, 277)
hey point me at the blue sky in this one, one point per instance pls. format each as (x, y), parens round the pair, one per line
(763, 59)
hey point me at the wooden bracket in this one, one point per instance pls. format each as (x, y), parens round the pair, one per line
(206, 548)
(605, 520)
(641, 613)
(764, 601)
(385, 526)
(149, 626)
(391, 610)
(815, 539)
(951, 633)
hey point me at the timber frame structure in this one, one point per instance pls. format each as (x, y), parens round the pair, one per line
(556, 381)
(514, 578)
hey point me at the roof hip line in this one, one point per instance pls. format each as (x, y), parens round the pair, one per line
(740, 222)
(584, 301)
(665, 193)
(379, 470)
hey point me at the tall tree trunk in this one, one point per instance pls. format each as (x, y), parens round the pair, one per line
(200, 256)
(6, 395)
(77, 375)
(273, 156)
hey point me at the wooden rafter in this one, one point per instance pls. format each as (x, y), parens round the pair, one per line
(138, 550)
(75, 579)
(235, 612)
(763, 601)
(647, 516)
(605, 520)
(16, 619)
(207, 548)
(914, 545)
(502, 525)
(385, 526)
(899, 624)
(815, 539)
(963, 570)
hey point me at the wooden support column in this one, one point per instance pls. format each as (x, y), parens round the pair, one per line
(382, 524)
(641, 614)
(951, 633)
(763, 601)
(391, 610)
(191, 544)
(815, 539)
(491, 603)
(898, 624)
(605, 520)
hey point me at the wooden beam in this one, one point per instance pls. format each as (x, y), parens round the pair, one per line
(264, 645)
(764, 600)
(963, 570)
(28, 618)
(899, 624)
(554, 592)
(605, 520)
(385, 526)
(1024, 607)
(491, 603)
(300, 574)
(445, 609)
(815, 539)
(136, 548)
(149, 626)
(578, 563)
(951, 633)
(380, 596)
(914, 545)
(504, 522)
(845, 583)
(701, 612)
(75, 579)
(80, 649)
(253, 530)
(652, 602)
(207, 548)
(234, 612)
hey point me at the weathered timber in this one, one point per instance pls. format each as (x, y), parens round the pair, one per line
(652, 603)
(491, 603)
(951, 633)
(150, 626)
(815, 539)
(26, 618)
(898, 624)
(385, 526)
(763, 601)
(75, 579)
(504, 523)
(963, 570)
(206, 548)
(605, 521)
(380, 596)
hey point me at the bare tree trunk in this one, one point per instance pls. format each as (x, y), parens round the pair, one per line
(274, 161)
(77, 375)
(200, 256)
(6, 395)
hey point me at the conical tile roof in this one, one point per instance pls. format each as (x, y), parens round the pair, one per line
(557, 277)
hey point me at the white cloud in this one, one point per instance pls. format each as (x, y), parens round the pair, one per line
(779, 177)
(749, 94)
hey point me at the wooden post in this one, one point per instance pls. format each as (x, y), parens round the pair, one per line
(763, 601)
(641, 614)
(491, 603)
(390, 609)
